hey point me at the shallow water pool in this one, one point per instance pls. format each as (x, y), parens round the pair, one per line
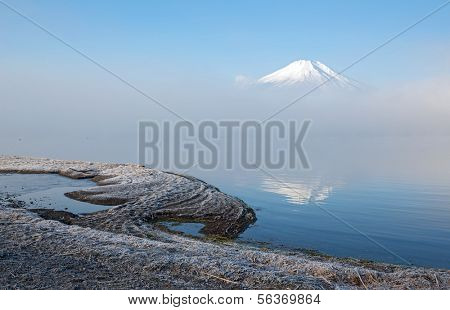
(46, 191)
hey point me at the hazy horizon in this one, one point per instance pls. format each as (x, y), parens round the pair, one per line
(55, 103)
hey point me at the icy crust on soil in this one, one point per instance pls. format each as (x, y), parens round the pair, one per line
(114, 250)
(38, 253)
(142, 196)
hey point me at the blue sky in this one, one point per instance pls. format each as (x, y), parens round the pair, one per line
(146, 40)
(187, 54)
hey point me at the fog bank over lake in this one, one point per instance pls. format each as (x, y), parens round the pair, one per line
(90, 120)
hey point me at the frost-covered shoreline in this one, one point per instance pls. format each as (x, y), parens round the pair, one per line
(120, 248)
(142, 195)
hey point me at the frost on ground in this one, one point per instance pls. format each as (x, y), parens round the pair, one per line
(122, 248)
(142, 196)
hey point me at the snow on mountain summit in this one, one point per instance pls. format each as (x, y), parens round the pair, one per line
(305, 72)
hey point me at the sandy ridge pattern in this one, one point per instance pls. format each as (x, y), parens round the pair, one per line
(121, 248)
(142, 196)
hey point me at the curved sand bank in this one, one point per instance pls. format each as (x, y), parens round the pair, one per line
(123, 248)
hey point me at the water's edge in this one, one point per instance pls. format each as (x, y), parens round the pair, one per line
(127, 228)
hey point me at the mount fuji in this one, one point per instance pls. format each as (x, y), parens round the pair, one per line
(306, 72)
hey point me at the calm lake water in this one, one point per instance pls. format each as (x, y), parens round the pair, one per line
(383, 199)
(386, 200)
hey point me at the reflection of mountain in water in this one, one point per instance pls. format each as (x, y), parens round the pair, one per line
(299, 193)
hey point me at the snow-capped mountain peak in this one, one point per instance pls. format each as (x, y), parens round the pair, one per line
(305, 72)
